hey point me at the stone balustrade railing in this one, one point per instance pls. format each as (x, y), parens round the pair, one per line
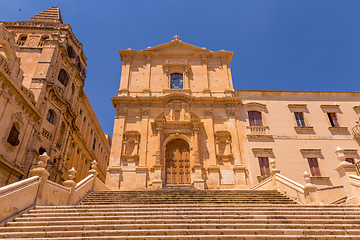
(38, 190)
(296, 191)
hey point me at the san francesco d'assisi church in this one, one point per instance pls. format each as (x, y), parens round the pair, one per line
(179, 121)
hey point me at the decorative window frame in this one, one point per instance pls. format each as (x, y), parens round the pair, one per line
(15, 118)
(263, 152)
(351, 153)
(314, 153)
(304, 110)
(335, 108)
(182, 68)
(257, 131)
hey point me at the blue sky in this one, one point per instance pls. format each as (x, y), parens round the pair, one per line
(277, 44)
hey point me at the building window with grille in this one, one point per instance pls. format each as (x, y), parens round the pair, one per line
(333, 119)
(176, 81)
(255, 118)
(13, 137)
(314, 167)
(299, 116)
(264, 166)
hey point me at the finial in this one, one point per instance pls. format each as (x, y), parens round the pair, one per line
(176, 37)
(72, 173)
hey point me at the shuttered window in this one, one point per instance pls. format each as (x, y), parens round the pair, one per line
(264, 166)
(314, 167)
(255, 118)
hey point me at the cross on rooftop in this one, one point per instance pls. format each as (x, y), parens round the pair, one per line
(176, 37)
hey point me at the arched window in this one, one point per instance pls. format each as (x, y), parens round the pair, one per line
(13, 138)
(71, 53)
(21, 40)
(50, 116)
(255, 118)
(176, 81)
(43, 39)
(63, 77)
(42, 150)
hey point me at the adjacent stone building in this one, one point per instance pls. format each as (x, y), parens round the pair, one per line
(180, 122)
(43, 105)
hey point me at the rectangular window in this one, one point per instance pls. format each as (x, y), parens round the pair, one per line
(314, 167)
(255, 118)
(333, 120)
(264, 166)
(299, 116)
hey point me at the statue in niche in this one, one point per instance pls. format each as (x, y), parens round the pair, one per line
(131, 146)
(223, 146)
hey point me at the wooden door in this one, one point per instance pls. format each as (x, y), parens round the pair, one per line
(177, 162)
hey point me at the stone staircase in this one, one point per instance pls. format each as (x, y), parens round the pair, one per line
(187, 215)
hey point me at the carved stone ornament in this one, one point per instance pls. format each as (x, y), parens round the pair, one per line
(17, 117)
(131, 146)
(223, 146)
(145, 111)
(177, 110)
(231, 111)
(208, 112)
(121, 111)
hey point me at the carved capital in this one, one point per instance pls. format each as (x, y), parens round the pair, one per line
(208, 112)
(145, 111)
(121, 111)
(231, 111)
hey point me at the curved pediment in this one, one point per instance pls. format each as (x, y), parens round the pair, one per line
(177, 96)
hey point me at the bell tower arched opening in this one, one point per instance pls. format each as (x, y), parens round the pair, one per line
(177, 162)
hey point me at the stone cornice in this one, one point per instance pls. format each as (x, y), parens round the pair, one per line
(120, 100)
(44, 26)
(191, 50)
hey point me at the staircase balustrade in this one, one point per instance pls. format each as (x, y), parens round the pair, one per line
(37, 190)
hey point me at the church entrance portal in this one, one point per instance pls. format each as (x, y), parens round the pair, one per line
(177, 162)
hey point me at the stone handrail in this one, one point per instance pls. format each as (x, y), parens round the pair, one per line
(38, 190)
(83, 189)
(290, 188)
(17, 197)
(284, 185)
(299, 193)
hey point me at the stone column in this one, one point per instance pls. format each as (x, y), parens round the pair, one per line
(125, 77)
(114, 171)
(147, 87)
(206, 82)
(157, 181)
(224, 65)
(199, 183)
(345, 170)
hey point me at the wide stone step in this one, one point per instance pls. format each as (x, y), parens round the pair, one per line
(187, 212)
(184, 221)
(178, 226)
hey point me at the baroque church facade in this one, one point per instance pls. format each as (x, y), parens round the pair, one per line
(180, 122)
(43, 105)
